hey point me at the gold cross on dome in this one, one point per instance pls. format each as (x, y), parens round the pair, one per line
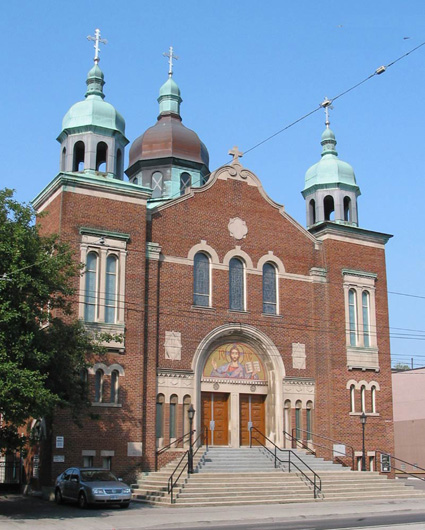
(235, 153)
(170, 56)
(97, 40)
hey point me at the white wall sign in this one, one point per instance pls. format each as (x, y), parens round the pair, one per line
(58, 458)
(59, 442)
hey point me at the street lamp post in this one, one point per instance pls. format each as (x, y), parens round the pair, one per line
(363, 419)
(191, 414)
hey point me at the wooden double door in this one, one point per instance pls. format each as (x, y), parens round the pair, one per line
(215, 416)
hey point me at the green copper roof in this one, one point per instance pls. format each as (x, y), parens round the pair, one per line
(93, 111)
(330, 170)
(169, 97)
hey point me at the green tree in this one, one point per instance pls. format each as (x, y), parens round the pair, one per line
(43, 348)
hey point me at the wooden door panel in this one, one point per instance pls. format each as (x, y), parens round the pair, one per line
(257, 405)
(215, 406)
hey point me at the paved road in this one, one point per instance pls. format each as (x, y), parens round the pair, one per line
(17, 512)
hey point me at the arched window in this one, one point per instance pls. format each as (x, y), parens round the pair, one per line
(352, 398)
(236, 285)
(347, 209)
(101, 157)
(173, 416)
(115, 386)
(298, 425)
(373, 399)
(160, 416)
(90, 295)
(185, 182)
(98, 386)
(187, 400)
(363, 398)
(156, 185)
(201, 280)
(309, 420)
(329, 208)
(63, 159)
(269, 289)
(352, 314)
(78, 157)
(118, 164)
(111, 289)
(312, 211)
(366, 317)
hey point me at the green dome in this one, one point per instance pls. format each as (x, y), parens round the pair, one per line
(94, 111)
(330, 170)
(169, 88)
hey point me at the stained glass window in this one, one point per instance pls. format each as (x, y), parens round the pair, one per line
(352, 311)
(365, 309)
(236, 284)
(201, 280)
(90, 288)
(269, 289)
(110, 289)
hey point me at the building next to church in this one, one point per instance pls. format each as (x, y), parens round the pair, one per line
(222, 299)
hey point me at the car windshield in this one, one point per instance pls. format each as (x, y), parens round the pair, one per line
(96, 475)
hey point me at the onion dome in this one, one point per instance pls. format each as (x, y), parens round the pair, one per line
(169, 138)
(93, 111)
(330, 169)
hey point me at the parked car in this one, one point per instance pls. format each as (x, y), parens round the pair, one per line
(89, 485)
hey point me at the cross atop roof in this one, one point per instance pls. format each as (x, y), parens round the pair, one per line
(97, 40)
(170, 56)
(236, 154)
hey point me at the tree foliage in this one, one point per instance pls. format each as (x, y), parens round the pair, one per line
(42, 347)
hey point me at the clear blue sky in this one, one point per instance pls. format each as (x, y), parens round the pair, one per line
(246, 69)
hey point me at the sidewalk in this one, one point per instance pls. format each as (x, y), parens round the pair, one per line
(43, 515)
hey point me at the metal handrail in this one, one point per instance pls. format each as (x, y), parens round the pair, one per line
(171, 482)
(378, 451)
(177, 441)
(300, 442)
(316, 487)
(329, 440)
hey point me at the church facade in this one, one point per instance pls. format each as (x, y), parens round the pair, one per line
(220, 298)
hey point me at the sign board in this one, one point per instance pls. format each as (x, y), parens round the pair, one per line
(58, 458)
(59, 442)
(385, 463)
(339, 450)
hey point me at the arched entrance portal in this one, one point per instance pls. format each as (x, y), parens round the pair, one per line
(238, 383)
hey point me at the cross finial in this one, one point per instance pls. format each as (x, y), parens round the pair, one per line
(97, 40)
(170, 56)
(236, 154)
(327, 104)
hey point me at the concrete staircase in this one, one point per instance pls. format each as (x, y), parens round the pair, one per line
(225, 477)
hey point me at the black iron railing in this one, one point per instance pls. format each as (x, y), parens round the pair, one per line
(176, 442)
(316, 481)
(311, 436)
(393, 459)
(184, 462)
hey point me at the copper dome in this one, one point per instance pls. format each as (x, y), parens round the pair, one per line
(169, 138)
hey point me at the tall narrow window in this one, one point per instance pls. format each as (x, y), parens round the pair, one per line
(156, 185)
(185, 182)
(309, 420)
(347, 209)
(173, 416)
(298, 420)
(363, 398)
(236, 284)
(107, 462)
(366, 321)
(98, 396)
(329, 208)
(373, 399)
(115, 386)
(312, 211)
(352, 398)
(352, 311)
(90, 295)
(201, 280)
(110, 289)
(118, 164)
(269, 289)
(101, 157)
(78, 157)
(187, 400)
(160, 416)
(287, 420)
(63, 159)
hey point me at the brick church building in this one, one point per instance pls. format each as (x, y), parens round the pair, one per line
(222, 299)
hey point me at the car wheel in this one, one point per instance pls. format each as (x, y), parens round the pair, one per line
(125, 505)
(58, 496)
(82, 500)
